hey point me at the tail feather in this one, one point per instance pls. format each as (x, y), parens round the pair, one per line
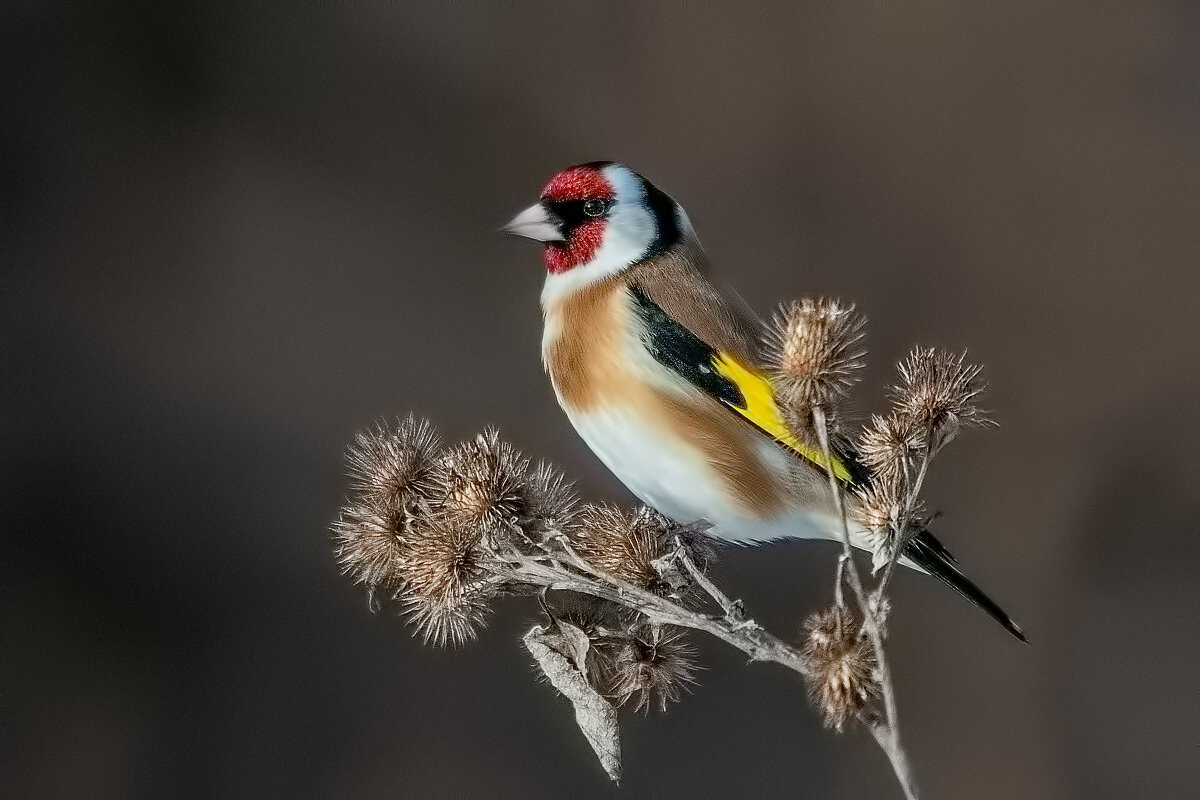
(932, 556)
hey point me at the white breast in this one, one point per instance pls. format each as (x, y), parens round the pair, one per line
(672, 476)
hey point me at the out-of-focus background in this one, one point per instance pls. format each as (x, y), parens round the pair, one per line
(233, 235)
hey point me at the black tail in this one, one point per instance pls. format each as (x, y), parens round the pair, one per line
(931, 555)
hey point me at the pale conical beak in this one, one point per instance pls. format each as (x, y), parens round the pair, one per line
(535, 222)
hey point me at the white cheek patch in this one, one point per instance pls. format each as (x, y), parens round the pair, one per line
(629, 233)
(631, 228)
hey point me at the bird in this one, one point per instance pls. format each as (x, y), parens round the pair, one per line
(640, 344)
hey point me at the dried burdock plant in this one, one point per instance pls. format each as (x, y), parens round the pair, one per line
(550, 505)
(370, 546)
(447, 592)
(391, 467)
(890, 519)
(626, 544)
(448, 533)
(880, 509)
(389, 461)
(815, 351)
(841, 665)
(937, 392)
(935, 397)
(481, 484)
(651, 666)
(487, 484)
(890, 444)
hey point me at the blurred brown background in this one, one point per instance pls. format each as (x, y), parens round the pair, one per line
(233, 235)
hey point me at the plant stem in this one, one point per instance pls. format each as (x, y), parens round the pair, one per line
(889, 737)
(733, 610)
(889, 743)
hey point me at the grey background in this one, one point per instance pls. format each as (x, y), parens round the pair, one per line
(233, 235)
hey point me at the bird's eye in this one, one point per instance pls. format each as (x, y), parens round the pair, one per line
(594, 208)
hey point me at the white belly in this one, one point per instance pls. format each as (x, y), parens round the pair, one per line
(673, 477)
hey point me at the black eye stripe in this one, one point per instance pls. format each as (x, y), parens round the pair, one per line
(573, 213)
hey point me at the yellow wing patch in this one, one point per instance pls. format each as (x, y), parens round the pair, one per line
(762, 410)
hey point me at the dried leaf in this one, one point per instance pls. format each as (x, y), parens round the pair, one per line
(595, 716)
(570, 641)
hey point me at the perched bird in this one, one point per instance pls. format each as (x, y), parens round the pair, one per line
(654, 367)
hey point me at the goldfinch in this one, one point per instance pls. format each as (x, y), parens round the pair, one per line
(656, 369)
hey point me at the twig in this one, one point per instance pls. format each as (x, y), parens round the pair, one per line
(889, 743)
(744, 634)
(851, 569)
(732, 608)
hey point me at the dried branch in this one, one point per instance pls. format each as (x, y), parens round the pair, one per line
(551, 571)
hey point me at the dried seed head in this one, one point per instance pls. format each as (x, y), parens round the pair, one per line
(481, 483)
(549, 503)
(422, 526)
(652, 665)
(448, 586)
(938, 391)
(486, 483)
(815, 352)
(390, 468)
(625, 544)
(841, 666)
(370, 546)
(891, 446)
(390, 460)
(879, 507)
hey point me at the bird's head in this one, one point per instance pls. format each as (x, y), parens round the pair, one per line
(599, 218)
